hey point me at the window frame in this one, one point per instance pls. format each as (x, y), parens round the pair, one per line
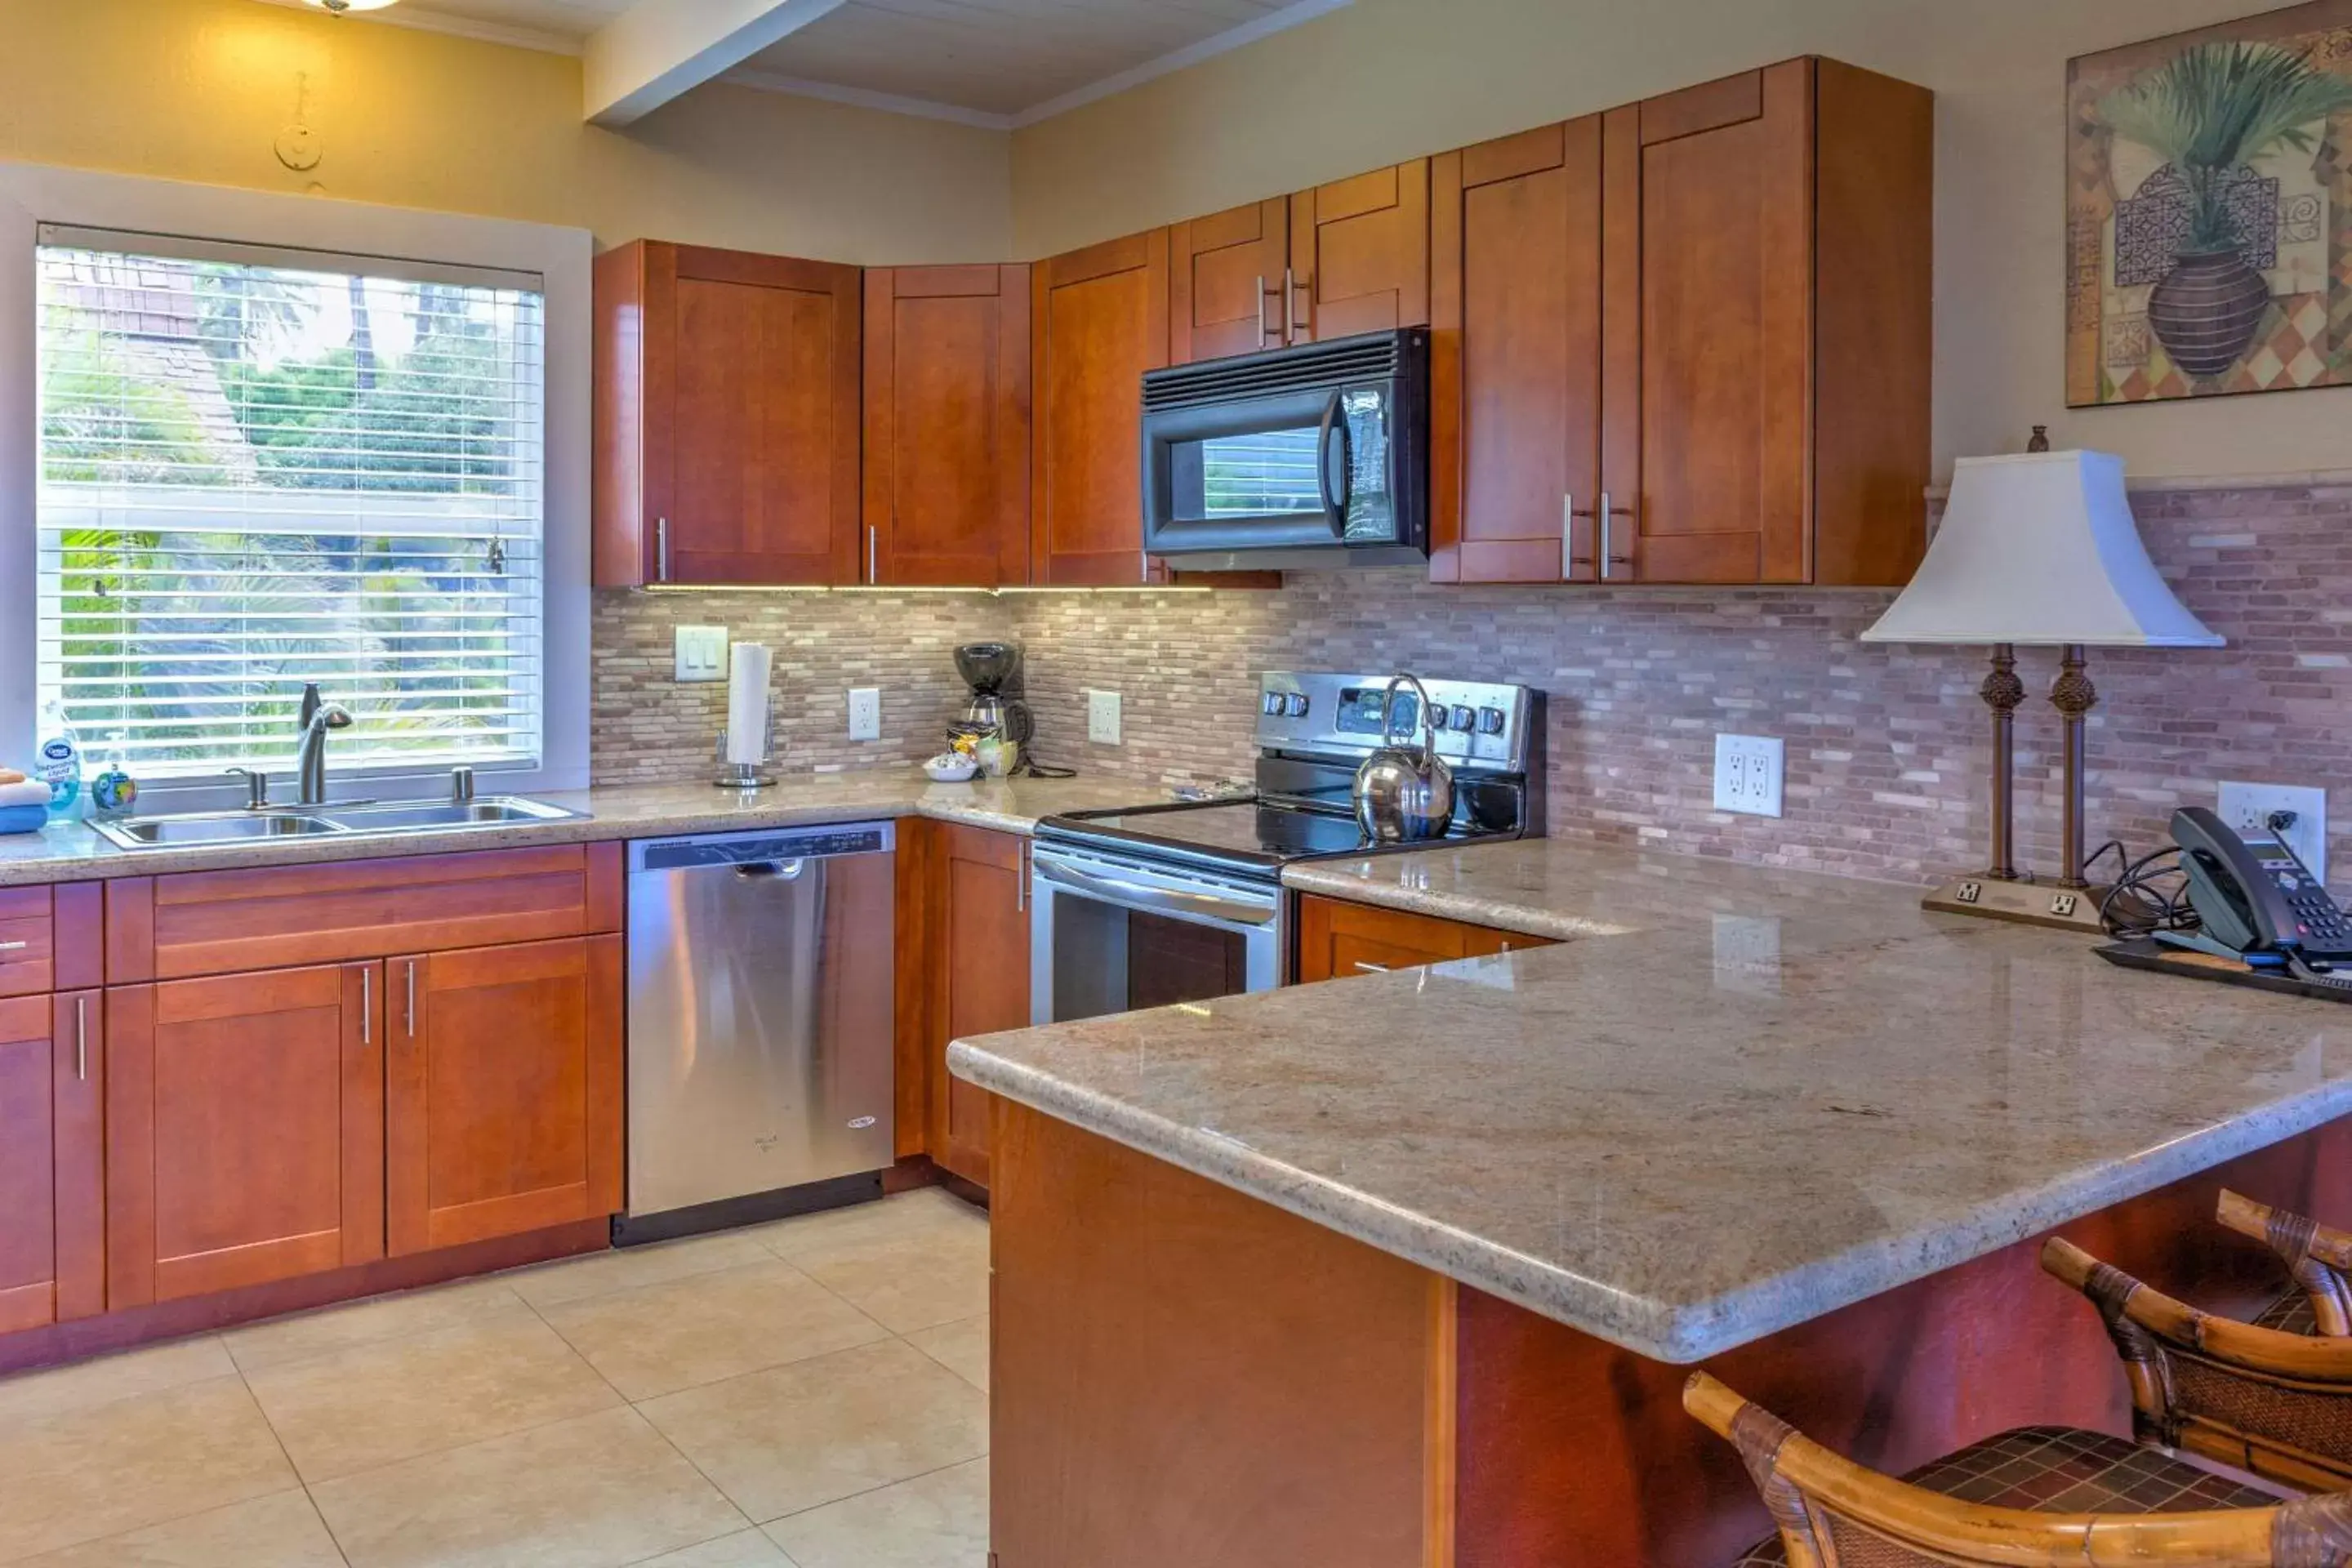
(33, 194)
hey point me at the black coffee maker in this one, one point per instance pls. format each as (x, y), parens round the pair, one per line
(992, 670)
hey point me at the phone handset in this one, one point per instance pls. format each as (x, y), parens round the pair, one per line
(2257, 901)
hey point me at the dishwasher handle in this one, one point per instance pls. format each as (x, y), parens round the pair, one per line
(767, 871)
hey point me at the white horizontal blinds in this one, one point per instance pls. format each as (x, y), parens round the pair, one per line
(257, 474)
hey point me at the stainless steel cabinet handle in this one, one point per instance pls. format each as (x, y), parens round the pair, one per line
(873, 546)
(661, 549)
(1366, 967)
(412, 999)
(1569, 559)
(1290, 306)
(1609, 558)
(81, 1038)
(367, 1006)
(14, 946)
(1264, 331)
(1020, 882)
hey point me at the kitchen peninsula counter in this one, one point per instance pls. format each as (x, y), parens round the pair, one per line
(72, 852)
(1789, 1126)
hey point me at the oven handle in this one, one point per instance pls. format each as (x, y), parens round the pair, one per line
(1233, 911)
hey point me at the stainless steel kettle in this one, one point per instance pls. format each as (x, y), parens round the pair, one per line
(1401, 795)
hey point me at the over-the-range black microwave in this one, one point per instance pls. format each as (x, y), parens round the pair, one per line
(1299, 458)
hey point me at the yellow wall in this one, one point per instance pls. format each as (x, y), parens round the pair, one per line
(198, 89)
(1388, 79)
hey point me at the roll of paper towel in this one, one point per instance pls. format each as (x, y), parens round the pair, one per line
(747, 703)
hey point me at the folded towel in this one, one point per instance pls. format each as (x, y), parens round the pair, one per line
(25, 792)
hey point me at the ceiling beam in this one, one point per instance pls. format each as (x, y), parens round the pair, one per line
(658, 49)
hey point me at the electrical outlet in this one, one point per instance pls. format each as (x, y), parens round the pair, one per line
(1102, 718)
(1747, 774)
(701, 653)
(2249, 808)
(865, 713)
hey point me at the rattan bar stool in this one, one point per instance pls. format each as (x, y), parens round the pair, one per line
(2043, 1502)
(2269, 1403)
(2317, 1259)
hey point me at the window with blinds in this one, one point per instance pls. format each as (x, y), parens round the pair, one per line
(263, 469)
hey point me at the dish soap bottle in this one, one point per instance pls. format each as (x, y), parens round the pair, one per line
(114, 791)
(58, 763)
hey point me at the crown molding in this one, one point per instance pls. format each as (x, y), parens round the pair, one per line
(453, 26)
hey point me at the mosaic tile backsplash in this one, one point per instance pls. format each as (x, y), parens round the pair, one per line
(1886, 747)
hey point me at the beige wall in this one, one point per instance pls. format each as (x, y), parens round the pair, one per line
(198, 89)
(1388, 79)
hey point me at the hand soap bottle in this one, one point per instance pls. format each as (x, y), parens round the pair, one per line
(114, 791)
(57, 762)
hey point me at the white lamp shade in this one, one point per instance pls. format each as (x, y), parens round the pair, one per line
(2040, 549)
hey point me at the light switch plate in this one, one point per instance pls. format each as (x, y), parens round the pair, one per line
(701, 653)
(1747, 774)
(2249, 808)
(1102, 718)
(865, 713)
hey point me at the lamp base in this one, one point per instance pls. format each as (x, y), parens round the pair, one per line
(2026, 903)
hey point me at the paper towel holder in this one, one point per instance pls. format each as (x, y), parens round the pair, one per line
(749, 776)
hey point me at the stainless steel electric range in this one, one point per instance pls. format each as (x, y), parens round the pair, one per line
(1155, 905)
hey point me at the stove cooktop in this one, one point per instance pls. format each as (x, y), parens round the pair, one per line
(1241, 832)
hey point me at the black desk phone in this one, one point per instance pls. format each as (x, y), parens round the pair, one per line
(2258, 902)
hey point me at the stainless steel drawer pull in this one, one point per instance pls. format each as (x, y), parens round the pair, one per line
(1369, 968)
(14, 946)
(81, 1038)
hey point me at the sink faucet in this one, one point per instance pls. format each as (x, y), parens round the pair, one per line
(317, 717)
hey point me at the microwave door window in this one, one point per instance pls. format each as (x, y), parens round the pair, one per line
(1263, 473)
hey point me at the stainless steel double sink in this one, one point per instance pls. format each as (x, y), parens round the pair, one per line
(359, 819)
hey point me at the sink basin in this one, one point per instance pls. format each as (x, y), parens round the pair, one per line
(211, 828)
(357, 820)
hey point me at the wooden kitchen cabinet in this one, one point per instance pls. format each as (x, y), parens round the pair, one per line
(1360, 254)
(1514, 358)
(946, 425)
(1337, 939)
(979, 972)
(52, 1160)
(1225, 282)
(726, 418)
(502, 1091)
(1099, 321)
(1767, 273)
(244, 1129)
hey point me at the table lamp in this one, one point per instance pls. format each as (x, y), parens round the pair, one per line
(2041, 549)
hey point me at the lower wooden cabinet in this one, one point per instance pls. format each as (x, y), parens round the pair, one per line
(502, 1091)
(244, 1129)
(980, 968)
(52, 1230)
(1337, 939)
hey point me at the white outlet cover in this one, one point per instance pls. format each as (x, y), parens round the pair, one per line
(701, 653)
(2247, 807)
(1102, 718)
(1747, 774)
(865, 713)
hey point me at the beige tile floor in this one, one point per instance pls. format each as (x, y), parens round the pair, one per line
(810, 1393)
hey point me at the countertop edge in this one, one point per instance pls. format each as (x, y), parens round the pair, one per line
(1677, 1336)
(1520, 918)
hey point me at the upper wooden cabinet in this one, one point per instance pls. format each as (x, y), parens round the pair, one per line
(1360, 254)
(1226, 277)
(1757, 272)
(946, 425)
(727, 413)
(1099, 319)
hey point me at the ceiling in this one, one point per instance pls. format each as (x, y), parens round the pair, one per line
(999, 63)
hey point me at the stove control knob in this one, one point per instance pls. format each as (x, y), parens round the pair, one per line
(1296, 705)
(1438, 715)
(1491, 721)
(1464, 718)
(1271, 705)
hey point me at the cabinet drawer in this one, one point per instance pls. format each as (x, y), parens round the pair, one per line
(217, 922)
(49, 938)
(1337, 939)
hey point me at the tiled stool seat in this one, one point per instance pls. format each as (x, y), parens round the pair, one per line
(2315, 1258)
(2061, 1469)
(2290, 1314)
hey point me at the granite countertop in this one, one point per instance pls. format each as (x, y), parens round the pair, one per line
(1729, 1116)
(69, 852)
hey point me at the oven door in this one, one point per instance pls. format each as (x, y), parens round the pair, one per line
(1112, 934)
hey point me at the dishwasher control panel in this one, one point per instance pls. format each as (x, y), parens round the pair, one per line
(736, 848)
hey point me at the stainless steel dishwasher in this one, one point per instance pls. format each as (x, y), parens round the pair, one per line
(760, 1012)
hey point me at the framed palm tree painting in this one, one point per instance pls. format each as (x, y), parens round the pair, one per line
(2210, 211)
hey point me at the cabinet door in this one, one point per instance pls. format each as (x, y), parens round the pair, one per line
(746, 425)
(245, 1129)
(1516, 357)
(503, 1091)
(1360, 254)
(983, 978)
(1708, 286)
(1099, 321)
(946, 425)
(52, 1224)
(1225, 282)
(1337, 939)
